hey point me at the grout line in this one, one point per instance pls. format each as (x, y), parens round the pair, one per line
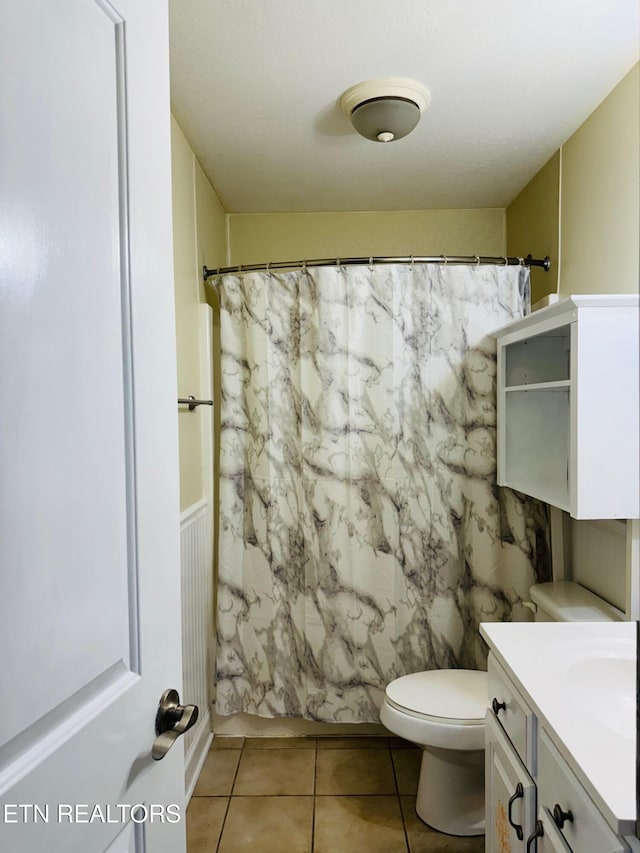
(235, 775)
(374, 796)
(393, 767)
(224, 820)
(404, 825)
(233, 784)
(395, 777)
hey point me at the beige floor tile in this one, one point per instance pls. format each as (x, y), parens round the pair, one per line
(275, 772)
(268, 825)
(359, 742)
(407, 766)
(356, 824)
(280, 743)
(205, 817)
(354, 771)
(424, 839)
(217, 774)
(224, 742)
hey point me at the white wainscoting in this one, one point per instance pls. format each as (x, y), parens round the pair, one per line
(196, 544)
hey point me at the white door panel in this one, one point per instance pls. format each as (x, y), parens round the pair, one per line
(89, 547)
(66, 518)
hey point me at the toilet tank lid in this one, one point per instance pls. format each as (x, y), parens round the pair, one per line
(453, 694)
(567, 601)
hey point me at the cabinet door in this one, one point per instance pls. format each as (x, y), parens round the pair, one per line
(510, 793)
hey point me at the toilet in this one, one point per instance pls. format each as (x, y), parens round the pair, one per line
(443, 711)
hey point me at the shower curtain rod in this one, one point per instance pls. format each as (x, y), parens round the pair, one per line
(434, 259)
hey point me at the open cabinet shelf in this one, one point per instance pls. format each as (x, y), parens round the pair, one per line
(568, 406)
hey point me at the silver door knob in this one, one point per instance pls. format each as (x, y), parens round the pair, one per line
(172, 720)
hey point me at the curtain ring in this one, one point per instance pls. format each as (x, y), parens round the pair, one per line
(268, 265)
(445, 259)
(371, 263)
(239, 268)
(477, 260)
(411, 256)
(304, 266)
(506, 260)
(338, 267)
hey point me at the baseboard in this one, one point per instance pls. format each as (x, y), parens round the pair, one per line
(197, 755)
(248, 725)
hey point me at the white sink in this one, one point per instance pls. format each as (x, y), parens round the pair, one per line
(603, 683)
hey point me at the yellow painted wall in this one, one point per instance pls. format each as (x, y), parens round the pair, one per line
(211, 224)
(601, 197)
(583, 206)
(199, 236)
(533, 219)
(261, 237)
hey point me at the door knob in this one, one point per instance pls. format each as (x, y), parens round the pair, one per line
(172, 720)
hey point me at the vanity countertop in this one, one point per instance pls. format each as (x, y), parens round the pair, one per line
(580, 680)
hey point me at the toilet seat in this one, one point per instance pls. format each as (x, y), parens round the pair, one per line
(443, 708)
(458, 696)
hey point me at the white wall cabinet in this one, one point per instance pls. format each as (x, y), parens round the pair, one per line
(529, 811)
(568, 426)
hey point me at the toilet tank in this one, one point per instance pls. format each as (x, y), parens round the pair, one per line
(567, 601)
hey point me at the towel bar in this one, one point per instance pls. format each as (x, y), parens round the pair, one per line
(192, 402)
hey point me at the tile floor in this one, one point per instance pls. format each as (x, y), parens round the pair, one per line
(312, 795)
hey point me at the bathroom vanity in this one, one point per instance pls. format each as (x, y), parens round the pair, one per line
(561, 742)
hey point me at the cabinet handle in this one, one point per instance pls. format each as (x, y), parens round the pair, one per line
(498, 706)
(519, 793)
(559, 817)
(538, 832)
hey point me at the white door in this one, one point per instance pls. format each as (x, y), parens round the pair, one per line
(89, 543)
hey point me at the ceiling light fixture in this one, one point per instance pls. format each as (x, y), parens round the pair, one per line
(385, 109)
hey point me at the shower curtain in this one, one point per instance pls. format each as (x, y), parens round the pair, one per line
(362, 534)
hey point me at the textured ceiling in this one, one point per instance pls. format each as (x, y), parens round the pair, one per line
(255, 87)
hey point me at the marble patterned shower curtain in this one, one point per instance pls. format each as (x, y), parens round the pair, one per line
(362, 534)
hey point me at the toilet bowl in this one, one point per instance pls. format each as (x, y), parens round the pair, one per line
(443, 712)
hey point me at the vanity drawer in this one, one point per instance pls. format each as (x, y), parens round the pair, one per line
(513, 713)
(587, 832)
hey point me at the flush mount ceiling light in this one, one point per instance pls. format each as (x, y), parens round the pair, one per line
(385, 109)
